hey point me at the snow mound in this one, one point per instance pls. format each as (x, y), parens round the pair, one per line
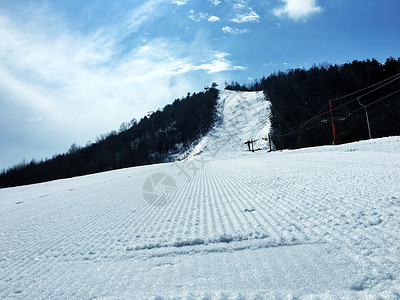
(241, 116)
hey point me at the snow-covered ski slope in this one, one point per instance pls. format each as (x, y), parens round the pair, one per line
(241, 116)
(316, 223)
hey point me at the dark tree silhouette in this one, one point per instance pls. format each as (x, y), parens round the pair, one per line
(297, 95)
(151, 140)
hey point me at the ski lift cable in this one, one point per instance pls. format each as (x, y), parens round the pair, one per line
(308, 128)
(301, 129)
(397, 76)
(304, 123)
(379, 87)
(357, 98)
(376, 101)
(295, 128)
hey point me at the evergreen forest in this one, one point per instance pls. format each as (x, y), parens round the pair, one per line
(301, 117)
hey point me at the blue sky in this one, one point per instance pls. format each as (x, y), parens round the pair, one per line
(72, 70)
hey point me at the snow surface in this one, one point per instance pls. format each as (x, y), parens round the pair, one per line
(241, 116)
(316, 223)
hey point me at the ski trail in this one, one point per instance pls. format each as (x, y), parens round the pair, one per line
(241, 116)
(312, 223)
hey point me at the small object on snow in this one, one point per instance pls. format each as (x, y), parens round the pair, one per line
(249, 209)
(251, 142)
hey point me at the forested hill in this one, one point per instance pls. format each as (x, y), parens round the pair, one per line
(300, 118)
(300, 107)
(152, 140)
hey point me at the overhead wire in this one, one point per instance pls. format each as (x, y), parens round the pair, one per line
(298, 127)
(356, 99)
(368, 87)
(301, 129)
(318, 125)
(304, 123)
(376, 101)
(379, 87)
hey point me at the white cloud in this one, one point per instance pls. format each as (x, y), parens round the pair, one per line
(221, 55)
(180, 2)
(140, 15)
(297, 9)
(250, 16)
(215, 2)
(82, 85)
(239, 6)
(213, 19)
(198, 17)
(231, 30)
(218, 63)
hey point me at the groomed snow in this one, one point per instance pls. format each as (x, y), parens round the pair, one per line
(241, 116)
(316, 223)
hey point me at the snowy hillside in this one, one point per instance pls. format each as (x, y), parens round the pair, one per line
(241, 116)
(317, 223)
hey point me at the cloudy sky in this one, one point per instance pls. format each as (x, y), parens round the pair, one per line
(71, 70)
